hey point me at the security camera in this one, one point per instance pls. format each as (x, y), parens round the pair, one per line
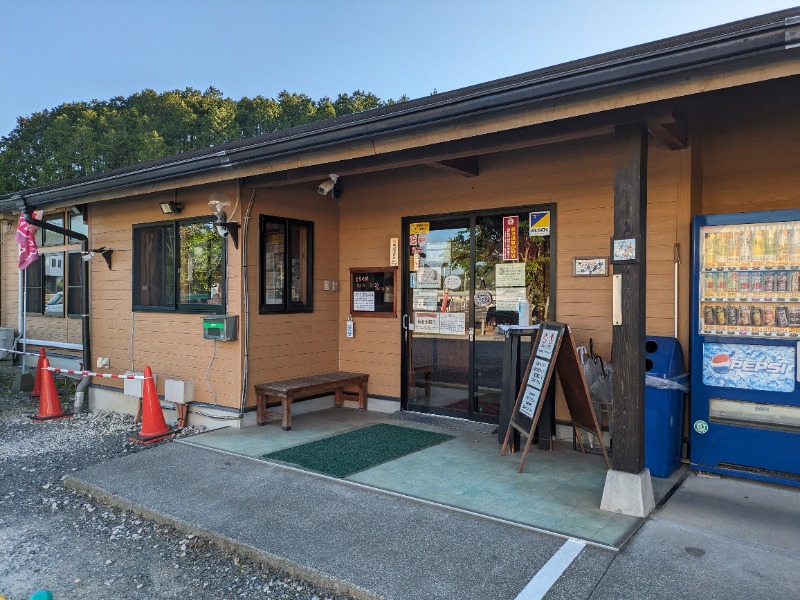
(328, 185)
(325, 187)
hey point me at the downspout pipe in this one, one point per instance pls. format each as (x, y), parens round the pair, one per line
(87, 354)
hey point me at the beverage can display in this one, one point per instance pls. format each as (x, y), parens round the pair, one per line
(744, 284)
(757, 284)
(733, 284)
(756, 316)
(719, 311)
(744, 315)
(784, 249)
(709, 315)
(709, 286)
(794, 316)
(782, 316)
(782, 283)
(769, 316)
(770, 245)
(722, 284)
(769, 284)
(794, 282)
(731, 315)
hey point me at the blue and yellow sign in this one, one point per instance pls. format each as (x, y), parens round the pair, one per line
(540, 223)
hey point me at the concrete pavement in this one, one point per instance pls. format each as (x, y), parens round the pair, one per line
(715, 538)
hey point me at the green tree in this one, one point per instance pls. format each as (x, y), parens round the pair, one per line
(81, 138)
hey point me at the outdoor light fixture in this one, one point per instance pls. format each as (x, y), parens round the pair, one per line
(329, 185)
(170, 208)
(219, 204)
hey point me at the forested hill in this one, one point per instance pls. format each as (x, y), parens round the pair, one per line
(81, 138)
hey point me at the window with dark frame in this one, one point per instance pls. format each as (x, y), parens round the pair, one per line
(54, 281)
(286, 265)
(179, 266)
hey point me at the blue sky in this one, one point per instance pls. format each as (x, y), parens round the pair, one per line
(55, 51)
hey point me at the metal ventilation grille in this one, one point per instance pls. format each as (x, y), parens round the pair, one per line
(764, 472)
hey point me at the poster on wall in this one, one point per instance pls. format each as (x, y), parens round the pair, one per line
(452, 323)
(429, 277)
(425, 300)
(364, 301)
(426, 322)
(508, 275)
(507, 299)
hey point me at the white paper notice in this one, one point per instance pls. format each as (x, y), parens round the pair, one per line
(509, 275)
(425, 299)
(452, 323)
(507, 299)
(538, 373)
(547, 344)
(426, 322)
(364, 301)
(529, 401)
(429, 277)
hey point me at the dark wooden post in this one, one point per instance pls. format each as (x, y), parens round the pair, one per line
(630, 221)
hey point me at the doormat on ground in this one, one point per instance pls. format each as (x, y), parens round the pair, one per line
(347, 453)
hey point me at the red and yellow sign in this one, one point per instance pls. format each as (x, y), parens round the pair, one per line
(510, 240)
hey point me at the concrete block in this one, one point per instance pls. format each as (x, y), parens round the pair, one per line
(178, 391)
(23, 382)
(628, 493)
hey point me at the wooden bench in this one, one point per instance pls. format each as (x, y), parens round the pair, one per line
(288, 390)
(427, 372)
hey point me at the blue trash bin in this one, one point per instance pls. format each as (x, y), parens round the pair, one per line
(665, 384)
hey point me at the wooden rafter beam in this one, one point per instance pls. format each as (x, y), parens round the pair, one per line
(670, 129)
(467, 167)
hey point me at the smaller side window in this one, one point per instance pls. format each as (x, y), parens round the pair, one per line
(286, 265)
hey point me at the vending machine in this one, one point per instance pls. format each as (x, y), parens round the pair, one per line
(745, 397)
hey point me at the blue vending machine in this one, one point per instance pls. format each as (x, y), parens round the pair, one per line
(745, 397)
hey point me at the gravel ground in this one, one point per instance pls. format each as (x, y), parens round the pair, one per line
(52, 538)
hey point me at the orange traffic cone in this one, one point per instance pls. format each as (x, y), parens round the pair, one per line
(154, 427)
(49, 406)
(37, 379)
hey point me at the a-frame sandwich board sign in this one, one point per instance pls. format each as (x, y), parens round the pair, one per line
(553, 350)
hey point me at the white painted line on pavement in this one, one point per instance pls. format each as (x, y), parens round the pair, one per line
(551, 571)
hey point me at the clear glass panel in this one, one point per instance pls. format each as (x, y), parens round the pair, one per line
(77, 224)
(74, 284)
(750, 280)
(200, 268)
(274, 264)
(439, 286)
(154, 259)
(299, 263)
(50, 237)
(33, 287)
(500, 285)
(53, 284)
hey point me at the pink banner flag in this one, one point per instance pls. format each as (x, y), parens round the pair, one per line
(26, 238)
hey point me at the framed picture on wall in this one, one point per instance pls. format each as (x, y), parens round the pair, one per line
(590, 266)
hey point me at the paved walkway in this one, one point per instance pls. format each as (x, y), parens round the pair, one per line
(715, 538)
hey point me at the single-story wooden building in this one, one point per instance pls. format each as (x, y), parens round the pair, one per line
(397, 220)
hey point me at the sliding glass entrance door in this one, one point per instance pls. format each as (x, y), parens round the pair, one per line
(465, 277)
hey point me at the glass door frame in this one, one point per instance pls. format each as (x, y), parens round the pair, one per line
(406, 310)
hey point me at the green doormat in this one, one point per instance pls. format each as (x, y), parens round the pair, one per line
(347, 453)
